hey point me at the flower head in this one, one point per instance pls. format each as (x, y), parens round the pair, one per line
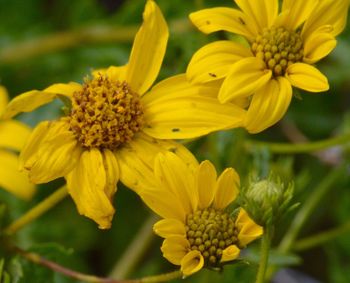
(13, 135)
(198, 228)
(117, 124)
(283, 46)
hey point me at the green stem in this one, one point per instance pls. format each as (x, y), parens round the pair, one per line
(264, 255)
(135, 251)
(37, 211)
(300, 147)
(315, 240)
(162, 277)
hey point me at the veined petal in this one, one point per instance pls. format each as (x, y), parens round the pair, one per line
(307, 77)
(86, 184)
(248, 229)
(221, 18)
(226, 188)
(317, 46)
(262, 12)
(166, 228)
(206, 183)
(230, 253)
(173, 175)
(11, 179)
(245, 78)
(214, 60)
(55, 157)
(13, 134)
(269, 104)
(327, 12)
(298, 12)
(33, 99)
(175, 248)
(3, 99)
(192, 262)
(112, 173)
(148, 50)
(175, 109)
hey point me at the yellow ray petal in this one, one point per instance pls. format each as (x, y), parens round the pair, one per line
(86, 184)
(192, 262)
(113, 72)
(307, 77)
(262, 12)
(173, 175)
(55, 157)
(176, 110)
(268, 105)
(248, 230)
(298, 11)
(317, 46)
(112, 172)
(13, 134)
(327, 12)
(246, 77)
(175, 248)
(226, 188)
(148, 50)
(206, 183)
(230, 253)
(3, 99)
(11, 179)
(214, 60)
(33, 99)
(169, 227)
(231, 20)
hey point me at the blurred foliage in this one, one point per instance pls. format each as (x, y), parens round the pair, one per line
(96, 252)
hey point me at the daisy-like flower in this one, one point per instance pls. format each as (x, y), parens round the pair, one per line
(13, 135)
(117, 125)
(283, 46)
(198, 228)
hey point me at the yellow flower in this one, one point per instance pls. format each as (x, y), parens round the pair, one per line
(13, 134)
(117, 125)
(199, 230)
(282, 50)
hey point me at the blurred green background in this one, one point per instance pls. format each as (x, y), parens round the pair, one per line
(50, 41)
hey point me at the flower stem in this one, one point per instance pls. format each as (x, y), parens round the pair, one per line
(264, 255)
(37, 211)
(315, 240)
(300, 147)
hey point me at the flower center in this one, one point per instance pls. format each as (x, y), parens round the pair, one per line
(279, 48)
(105, 113)
(210, 231)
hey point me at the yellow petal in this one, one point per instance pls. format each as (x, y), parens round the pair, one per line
(114, 73)
(248, 230)
(317, 46)
(169, 227)
(33, 99)
(175, 248)
(3, 99)
(206, 183)
(55, 157)
(174, 176)
(214, 60)
(226, 188)
(246, 77)
(227, 19)
(11, 179)
(148, 50)
(112, 172)
(298, 11)
(230, 253)
(191, 263)
(175, 109)
(327, 12)
(13, 134)
(262, 12)
(269, 104)
(307, 77)
(86, 184)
